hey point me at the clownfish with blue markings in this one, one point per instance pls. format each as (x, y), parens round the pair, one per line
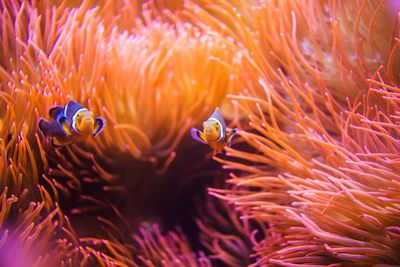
(71, 123)
(215, 133)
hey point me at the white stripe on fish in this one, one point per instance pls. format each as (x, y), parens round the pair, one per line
(74, 119)
(221, 130)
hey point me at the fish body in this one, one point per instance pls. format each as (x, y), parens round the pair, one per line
(214, 133)
(71, 123)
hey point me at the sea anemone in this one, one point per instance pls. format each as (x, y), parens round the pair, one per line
(147, 78)
(322, 174)
(313, 87)
(227, 238)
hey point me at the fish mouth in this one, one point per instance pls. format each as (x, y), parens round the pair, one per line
(211, 136)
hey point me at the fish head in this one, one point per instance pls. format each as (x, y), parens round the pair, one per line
(212, 130)
(84, 121)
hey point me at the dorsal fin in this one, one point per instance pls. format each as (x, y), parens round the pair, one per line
(218, 116)
(71, 108)
(54, 111)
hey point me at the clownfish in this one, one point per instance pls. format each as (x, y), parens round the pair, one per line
(215, 133)
(71, 123)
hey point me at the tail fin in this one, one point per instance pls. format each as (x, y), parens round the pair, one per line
(43, 126)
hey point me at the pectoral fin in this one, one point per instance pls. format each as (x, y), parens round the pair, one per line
(98, 125)
(63, 122)
(66, 129)
(54, 111)
(198, 135)
(231, 134)
(51, 129)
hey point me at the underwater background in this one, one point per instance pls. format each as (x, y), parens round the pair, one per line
(312, 178)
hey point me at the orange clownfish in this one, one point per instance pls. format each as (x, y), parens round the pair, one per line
(71, 123)
(215, 133)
